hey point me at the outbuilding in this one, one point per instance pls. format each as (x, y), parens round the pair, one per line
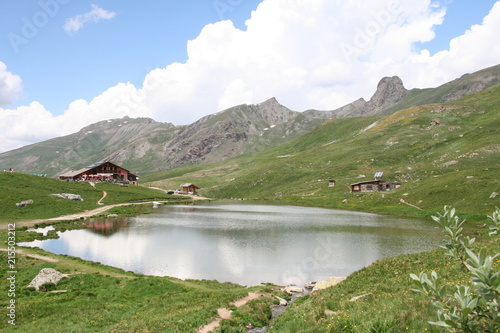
(374, 186)
(189, 188)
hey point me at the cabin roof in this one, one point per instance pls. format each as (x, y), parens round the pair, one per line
(373, 181)
(90, 168)
(189, 185)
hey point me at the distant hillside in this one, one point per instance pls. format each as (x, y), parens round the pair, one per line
(443, 154)
(92, 143)
(391, 95)
(145, 146)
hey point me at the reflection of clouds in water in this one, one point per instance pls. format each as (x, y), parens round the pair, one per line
(275, 244)
(42, 231)
(232, 257)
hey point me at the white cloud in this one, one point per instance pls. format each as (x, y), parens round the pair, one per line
(74, 24)
(318, 54)
(475, 49)
(10, 85)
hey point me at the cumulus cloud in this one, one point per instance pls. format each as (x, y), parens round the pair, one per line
(10, 85)
(96, 14)
(318, 54)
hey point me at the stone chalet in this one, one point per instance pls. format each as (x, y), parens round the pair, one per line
(374, 186)
(101, 171)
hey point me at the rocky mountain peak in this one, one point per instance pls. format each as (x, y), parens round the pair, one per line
(390, 90)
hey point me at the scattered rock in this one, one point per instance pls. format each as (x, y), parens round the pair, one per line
(494, 195)
(329, 312)
(450, 163)
(112, 215)
(24, 203)
(434, 122)
(46, 275)
(283, 302)
(69, 196)
(361, 176)
(156, 204)
(327, 283)
(58, 291)
(344, 201)
(310, 285)
(357, 298)
(293, 289)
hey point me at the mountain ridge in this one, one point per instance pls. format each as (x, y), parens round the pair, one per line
(147, 146)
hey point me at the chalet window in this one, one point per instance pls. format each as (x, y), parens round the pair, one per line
(369, 187)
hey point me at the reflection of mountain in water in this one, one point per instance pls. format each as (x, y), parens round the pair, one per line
(107, 226)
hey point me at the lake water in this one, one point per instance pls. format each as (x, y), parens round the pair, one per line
(245, 243)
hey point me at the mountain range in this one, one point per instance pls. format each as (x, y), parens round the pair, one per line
(145, 146)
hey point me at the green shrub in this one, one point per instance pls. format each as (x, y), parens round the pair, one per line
(465, 308)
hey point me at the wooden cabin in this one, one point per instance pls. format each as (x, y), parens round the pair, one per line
(190, 189)
(101, 171)
(374, 186)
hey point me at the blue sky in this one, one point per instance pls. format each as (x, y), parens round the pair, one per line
(58, 67)
(65, 63)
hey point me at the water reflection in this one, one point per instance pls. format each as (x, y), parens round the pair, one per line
(107, 226)
(245, 243)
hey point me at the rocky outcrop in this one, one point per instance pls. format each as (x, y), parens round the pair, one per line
(390, 91)
(46, 275)
(24, 203)
(69, 196)
(328, 283)
(464, 90)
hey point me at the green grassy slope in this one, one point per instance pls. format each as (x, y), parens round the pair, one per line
(441, 153)
(17, 187)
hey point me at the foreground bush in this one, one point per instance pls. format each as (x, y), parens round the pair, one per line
(465, 308)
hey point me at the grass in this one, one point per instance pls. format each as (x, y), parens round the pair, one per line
(17, 187)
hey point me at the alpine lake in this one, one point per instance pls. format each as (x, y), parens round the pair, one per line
(245, 242)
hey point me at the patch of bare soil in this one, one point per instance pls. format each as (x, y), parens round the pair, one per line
(224, 313)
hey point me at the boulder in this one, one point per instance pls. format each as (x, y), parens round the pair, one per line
(328, 283)
(293, 290)
(69, 196)
(24, 203)
(283, 302)
(330, 313)
(46, 275)
(357, 298)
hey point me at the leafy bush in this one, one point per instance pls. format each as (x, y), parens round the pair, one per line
(465, 308)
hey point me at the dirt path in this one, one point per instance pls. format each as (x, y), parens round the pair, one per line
(104, 194)
(224, 313)
(36, 256)
(409, 204)
(77, 216)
